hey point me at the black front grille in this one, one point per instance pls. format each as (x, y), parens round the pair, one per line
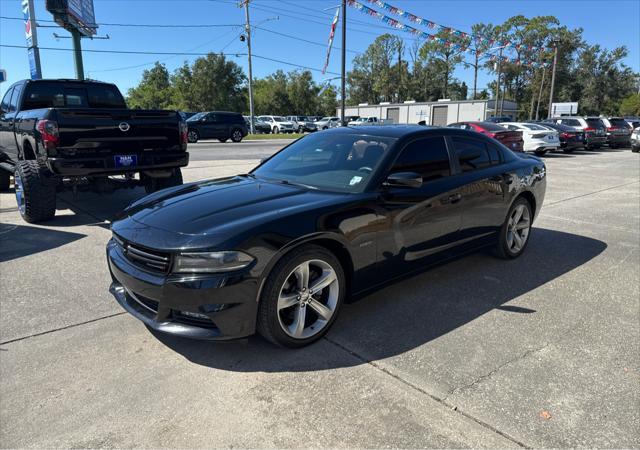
(151, 260)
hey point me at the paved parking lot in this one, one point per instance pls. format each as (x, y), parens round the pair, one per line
(542, 351)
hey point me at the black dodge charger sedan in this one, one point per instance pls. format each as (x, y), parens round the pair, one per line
(332, 216)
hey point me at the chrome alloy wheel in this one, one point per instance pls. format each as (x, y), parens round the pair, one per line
(19, 189)
(308, 299)
(518, 228)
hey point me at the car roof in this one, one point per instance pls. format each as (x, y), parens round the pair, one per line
(399, 131)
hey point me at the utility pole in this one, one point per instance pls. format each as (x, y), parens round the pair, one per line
(553, 75)
(495, 107)
(77, 54)
(248, 31)
(344, 59)
(544, 71)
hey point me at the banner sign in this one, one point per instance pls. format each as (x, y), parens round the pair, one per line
(74, 15)
(31, 37)
(332, 33)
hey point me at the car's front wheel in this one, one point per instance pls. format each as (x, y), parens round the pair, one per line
(301, 297)
(276, 130)
(540, 152)
(514, 234)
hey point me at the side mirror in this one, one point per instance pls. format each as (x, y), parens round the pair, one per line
(404, 179)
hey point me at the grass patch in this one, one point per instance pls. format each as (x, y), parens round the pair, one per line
(273, 136)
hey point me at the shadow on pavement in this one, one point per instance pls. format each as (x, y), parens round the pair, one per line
(410, 313)
(17, 241)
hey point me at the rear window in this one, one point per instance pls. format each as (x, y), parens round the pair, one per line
(61, 95)
(595, 123)
(620, 123)
(488, 126)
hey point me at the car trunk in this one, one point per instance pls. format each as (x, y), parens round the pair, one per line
(510, 139)
(95, 131)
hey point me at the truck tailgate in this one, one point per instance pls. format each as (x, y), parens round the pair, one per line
(117, 130)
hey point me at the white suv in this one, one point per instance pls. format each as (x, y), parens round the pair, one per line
(364, 121)
(278, 124)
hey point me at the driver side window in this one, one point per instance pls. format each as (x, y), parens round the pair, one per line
(427, 157)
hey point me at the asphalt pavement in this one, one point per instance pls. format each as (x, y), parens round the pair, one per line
(480, 352)
(216, 151)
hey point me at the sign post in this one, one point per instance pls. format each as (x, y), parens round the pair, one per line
(31, 35)
(77, 17)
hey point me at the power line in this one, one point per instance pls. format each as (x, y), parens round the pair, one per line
(302, 40)
(133, 52)
(138, 25)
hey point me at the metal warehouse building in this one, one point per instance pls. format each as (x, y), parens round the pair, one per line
(438, 113)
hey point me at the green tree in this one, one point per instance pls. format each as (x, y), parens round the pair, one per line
(181, 83)
(445, 52)
(480, 43)
(270, 94)
(154, 90)
(630, 106)
(302, 92)
(217, 84)
(327, 102)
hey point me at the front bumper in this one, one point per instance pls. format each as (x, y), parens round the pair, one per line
(106, 164)
(210, 307)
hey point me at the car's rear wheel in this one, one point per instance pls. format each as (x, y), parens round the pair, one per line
(540, 152)
(514, 234)
(193, 136)
(35, 193)
(236, 135)
(223, 140)
(276, 130)
(301, 297)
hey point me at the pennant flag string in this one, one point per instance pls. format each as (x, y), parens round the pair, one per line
(448, 30)
(332, 33)
(429, 37)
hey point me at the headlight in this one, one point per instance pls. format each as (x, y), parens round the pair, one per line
(211, 262)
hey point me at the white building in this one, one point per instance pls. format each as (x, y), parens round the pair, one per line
(440, 113)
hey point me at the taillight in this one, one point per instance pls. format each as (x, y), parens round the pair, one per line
(611, 128)
(48, 133)
(589, 129)
(565, 135)
(493, 135)
(184, 132)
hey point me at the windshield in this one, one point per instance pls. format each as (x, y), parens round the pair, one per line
(488, 126)
(279, 119)
(325, 119)
(334, 162)
(620, 123)
(196, 117)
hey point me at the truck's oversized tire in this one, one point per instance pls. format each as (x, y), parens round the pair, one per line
(155, 184)
(35, 192)
(4, 180)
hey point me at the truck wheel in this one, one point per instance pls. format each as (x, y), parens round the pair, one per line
(236, 135)
(35, 193)
(155, 184)
(193, 136)
(4, 180)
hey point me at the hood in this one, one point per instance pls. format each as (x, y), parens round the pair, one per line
(223, 206)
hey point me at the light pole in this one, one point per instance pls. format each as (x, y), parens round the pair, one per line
(553, 75)
(248, 31)
(344, 58)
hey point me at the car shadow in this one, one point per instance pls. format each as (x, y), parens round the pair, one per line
(17, 241)
(91, 208)
(410, 313)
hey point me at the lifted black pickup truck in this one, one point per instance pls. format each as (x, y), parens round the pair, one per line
(57, 134)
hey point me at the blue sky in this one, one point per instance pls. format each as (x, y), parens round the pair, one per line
(609, 23)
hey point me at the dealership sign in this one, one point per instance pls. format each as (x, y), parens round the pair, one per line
(30, 34)
(74, 15)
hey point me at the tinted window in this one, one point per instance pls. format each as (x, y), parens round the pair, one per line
(5, 100)
(60, 95)
(571, 122)
(15, 98)
(471, 154)
(595, 123)
(619, 123)
(428, 157)
(494, 154)
(336, 162)
(488, 126)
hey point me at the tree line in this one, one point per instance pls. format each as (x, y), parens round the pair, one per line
(392, 70)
